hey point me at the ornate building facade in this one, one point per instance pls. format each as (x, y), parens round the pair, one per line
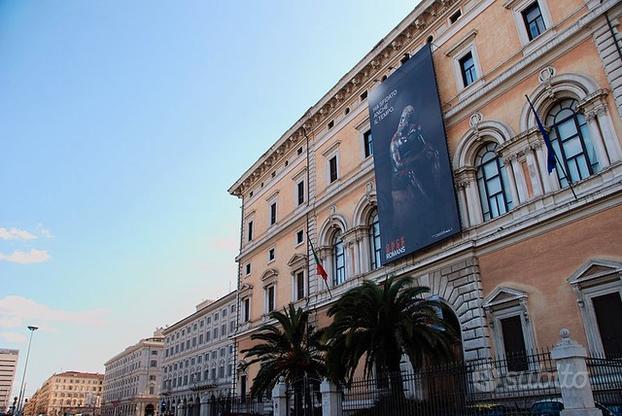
(198, 357)
(132, 379)
(69, 393)
(531, 258)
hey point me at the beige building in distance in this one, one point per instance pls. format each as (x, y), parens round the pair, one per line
(8, 364)
(70, 393)
(132, 379)
(198, 357)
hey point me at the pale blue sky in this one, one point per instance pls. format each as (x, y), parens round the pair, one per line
(122, 124)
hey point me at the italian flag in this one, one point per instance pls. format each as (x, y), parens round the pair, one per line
(320, 269)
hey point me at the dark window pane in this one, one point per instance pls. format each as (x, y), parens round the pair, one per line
(534, 22)
(607, 307)
(333, 168)
(514, 343)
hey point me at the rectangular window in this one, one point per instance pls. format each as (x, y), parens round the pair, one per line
(271, 254)
(454, 17)
(273, 213)
(301, 192)
(514, 343)
(243, 386)
(223, 329)
(248, 268)
(468, 70)
(367, 142)
(534, 22)
(207, 336)
(332, 163)
(250, 231)
(246, 309)
(216, 333)
(300, 285)
(300, 235)
(154, 363)
(269, 298)
(232, 326)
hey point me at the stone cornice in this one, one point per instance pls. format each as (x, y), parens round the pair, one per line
(416, 24)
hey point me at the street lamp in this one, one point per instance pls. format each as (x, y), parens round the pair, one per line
(32, 330)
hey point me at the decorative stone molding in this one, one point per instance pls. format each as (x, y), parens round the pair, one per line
(297, 261)
(596, 271)
(475, 119)
(465, 175)
(269, 274)
(594, 104)
(465, 40)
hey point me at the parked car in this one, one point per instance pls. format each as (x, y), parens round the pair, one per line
(553, 407)
(486, 409)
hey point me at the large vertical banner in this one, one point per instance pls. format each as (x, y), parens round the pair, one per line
(414, 182)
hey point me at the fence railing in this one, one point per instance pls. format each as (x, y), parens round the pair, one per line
(504, 386)
(605, 375)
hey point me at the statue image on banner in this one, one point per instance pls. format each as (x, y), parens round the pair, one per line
(416, 199)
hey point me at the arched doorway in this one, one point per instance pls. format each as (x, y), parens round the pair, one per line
(149, 410)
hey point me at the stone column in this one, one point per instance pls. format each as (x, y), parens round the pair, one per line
(465, 177)
(574, 378)
(326, 255)
(606, 143)
(279, 398)
(464, 209)
(549, 181)
(611, 140)
(331, 399)
(532, 168)
(517, 181)
(597, 140)
(205, 408)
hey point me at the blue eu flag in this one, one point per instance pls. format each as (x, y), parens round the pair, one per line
(550, 152)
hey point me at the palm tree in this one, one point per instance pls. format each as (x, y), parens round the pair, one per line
(290, 349)
(378, 323)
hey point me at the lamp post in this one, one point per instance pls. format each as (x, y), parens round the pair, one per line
(19, 410)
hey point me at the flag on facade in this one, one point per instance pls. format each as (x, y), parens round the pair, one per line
(320, 268)
(550, 152)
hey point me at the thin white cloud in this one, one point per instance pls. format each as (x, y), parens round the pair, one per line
(44, 232)
(17, 311)
(16, 234)
(13, 337)
(26, 257)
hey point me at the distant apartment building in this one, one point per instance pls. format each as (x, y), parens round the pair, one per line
(8, 364)
(30, 404)
(132, 379)
(70, 393)
(198, 356)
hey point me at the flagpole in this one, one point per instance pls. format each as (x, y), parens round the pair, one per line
(309, 242)
(550, 148)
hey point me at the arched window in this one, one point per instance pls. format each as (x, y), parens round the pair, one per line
(571, 140)
(339, 259)
(374, 240)
(492, 181)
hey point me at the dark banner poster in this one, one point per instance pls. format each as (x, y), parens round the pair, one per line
(414, 182)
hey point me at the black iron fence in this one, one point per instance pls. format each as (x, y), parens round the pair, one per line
(523, 385)
(605, 376)
(304, 398)
(491, 387)
(239, 406)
